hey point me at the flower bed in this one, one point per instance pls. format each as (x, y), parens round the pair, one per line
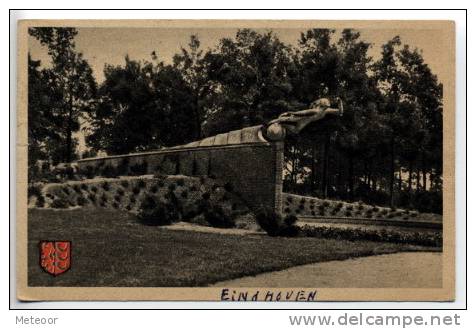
(127, 193)
(303, 206)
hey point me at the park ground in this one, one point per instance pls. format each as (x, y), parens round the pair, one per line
(111, 248)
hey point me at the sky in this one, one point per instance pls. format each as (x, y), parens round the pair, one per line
(110, 45)
(107, 45)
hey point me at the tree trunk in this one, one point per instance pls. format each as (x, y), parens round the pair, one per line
(351, 177)
(392, 172)
(325, 170)
(424, 173)
(400, 179)
(313, 168)
(198, 123)
(69, 131)
(418, 179)
(410, 173)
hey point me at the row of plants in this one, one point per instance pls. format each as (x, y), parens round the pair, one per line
(313, 207)
(129, 193)
(274, 224)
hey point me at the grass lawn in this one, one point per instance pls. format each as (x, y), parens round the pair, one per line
(110, 248)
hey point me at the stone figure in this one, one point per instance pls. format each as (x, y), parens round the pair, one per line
(294, 122)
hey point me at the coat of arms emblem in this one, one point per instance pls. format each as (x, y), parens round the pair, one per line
(55, 256)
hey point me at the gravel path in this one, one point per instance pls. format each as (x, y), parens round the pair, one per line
(402, 270)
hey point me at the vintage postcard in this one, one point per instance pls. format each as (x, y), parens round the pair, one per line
(213, 160)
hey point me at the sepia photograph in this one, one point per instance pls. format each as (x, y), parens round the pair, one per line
(235, 160)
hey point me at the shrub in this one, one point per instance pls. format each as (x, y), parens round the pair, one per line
(89, 172)
(125, 184)
(109, 171)
(59, 203)
(426, 239)
(34, 190)
(349, 208)
(117, 197)
(161, 183)
(311, 207)
(139, 168)
(160, 176)
(313, 213)
(136, 190)
(92, 197)
(156, 213)
(290, 220)
(66, 190)
(172, 187)
(301, 207)
(154, 188)
(81, 201)
(132, 199)
(123, 167)
(128, 207)
(274, 225)
(94, 189)
(228, 187)
(141, 184)
(180, 182)
(348, 213)
(105, 186)
(225, 198)
(84, 187)
(193, 188)
(206, 196)
(40, 201)
(115, 205)
(287, 210)
(104, 198)
(217, 217)
(120, 191)
(76, 188)
(290, 199)
(269, 220)
(326, 203)
(184, 194)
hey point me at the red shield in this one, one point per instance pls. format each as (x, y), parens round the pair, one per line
(55, 256)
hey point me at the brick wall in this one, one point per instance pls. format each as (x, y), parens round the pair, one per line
(254, 170)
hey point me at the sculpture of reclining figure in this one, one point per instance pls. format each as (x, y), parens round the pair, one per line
(295, 122)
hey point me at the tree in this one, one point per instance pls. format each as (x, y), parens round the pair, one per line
(412, 109)
(141, 106)
(190, 63)
(71, 76)
(249, 81)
